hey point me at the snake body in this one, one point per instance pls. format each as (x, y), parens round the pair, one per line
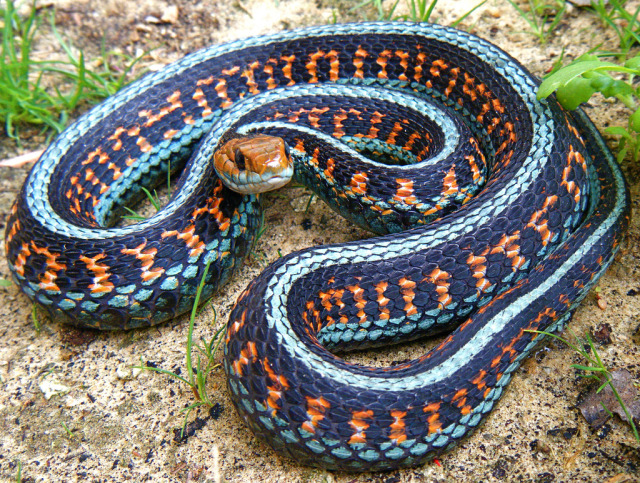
(374, 114)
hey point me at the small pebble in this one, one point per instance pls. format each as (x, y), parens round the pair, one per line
(126, 372)
(170, 15)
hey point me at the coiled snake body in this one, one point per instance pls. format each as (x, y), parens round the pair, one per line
(374, 115)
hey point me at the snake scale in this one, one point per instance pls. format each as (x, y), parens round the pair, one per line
(496, 213)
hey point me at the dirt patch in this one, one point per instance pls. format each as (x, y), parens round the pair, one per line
(103, 421)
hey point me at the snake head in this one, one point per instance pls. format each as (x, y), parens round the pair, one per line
(255, 164)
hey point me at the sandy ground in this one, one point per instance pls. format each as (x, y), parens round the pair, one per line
(71, 408)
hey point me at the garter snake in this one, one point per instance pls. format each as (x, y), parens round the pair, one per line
(394, 125)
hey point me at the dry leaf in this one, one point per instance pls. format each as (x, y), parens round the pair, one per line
(602, 334)
(591, 406)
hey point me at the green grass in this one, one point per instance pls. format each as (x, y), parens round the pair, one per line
(154, 199)
(419, 10)
(67, 430)
(594, 369)
(254, 254)
(45, 93)
(34, 317)
(205, 360)
(625, 24)
(542, 16)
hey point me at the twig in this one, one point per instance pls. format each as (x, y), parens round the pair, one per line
(19, 161)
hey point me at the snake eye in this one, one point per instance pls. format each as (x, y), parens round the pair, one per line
(239, 159)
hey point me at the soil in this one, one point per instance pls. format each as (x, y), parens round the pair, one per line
(73, 409)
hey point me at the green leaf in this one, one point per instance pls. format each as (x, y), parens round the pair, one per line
(634, 121)
(600, 81)
(573, 71)
(587, 57)
(623, 149)
(575, 92)
(5, 283)
(617, 88)
(633, 63)
(618, 131)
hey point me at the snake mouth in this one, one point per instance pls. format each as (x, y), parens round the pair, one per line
(255, 164)
(248, 183)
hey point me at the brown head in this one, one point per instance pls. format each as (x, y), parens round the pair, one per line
(254, 164)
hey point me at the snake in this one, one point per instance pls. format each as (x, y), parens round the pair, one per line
(494, 212)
